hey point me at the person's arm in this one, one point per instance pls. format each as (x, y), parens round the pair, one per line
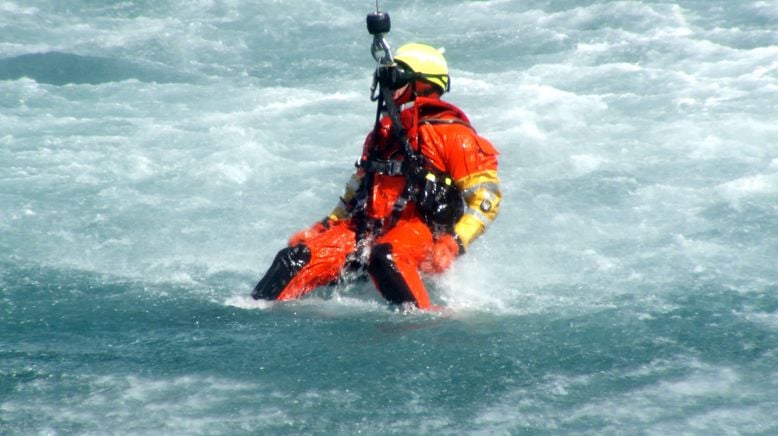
(472, 161)
(341, 210)
(481, 192)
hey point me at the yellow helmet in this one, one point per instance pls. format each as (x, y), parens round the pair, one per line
(426, 61)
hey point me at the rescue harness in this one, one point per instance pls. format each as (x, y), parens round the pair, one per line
(437, 198)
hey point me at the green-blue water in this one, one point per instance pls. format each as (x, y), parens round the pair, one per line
(154, 156)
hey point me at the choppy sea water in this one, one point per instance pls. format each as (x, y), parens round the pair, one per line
(155, 155)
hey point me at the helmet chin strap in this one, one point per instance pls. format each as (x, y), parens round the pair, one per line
(408, 94)
(415, 89)
(430, 90)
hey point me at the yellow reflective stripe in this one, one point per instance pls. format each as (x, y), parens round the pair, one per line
(483, 177)
(477, 214)
(481, 192)
(489, 186)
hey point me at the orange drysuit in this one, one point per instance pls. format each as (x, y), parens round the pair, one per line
(362, 229)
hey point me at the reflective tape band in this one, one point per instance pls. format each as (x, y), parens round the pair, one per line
(477, 214)
(489, 187)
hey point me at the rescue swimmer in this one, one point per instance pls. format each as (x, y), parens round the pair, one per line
(425, 187)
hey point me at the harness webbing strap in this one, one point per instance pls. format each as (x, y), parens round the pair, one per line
(413, 161)
(411, 165)
(365, 191)
(389, 167)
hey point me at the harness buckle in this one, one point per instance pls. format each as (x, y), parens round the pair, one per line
(389, 167)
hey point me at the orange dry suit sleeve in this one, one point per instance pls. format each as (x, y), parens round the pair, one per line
(471, 160)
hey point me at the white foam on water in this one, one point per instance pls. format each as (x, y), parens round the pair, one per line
(183, 404)
(708, 398)
(15, 8)
(341, 301)
(161, 154)
(749, 186)
(586, 163)
(246, 302)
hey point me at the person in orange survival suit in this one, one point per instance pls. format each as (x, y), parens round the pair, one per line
(425, 188)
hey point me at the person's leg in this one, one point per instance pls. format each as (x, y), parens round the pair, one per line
(297, 270)
(395, 259)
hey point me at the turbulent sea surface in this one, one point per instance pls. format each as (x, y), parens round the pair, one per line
(154, 156)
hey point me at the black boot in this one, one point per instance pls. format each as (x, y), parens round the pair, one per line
(387, 277)
(285, 266)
